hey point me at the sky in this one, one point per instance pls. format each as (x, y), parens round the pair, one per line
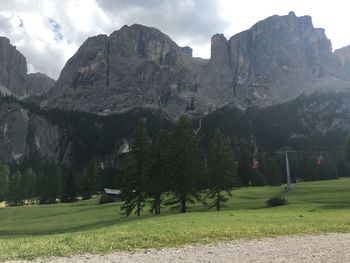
(49, 32)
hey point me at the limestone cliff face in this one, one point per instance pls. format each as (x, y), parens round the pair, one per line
(276, 60)
(14, 128)
(343, 54)
(13, 69)
(135, 66)
(13, 74)
(23, 135)
(215, 88)
(38, 84)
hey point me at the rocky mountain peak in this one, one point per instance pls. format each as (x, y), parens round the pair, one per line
(219, 49)
(38, 84)
(274, 61)
(136, 66)
(13, 74)
(279, 58)
(343, 56)
(13, 69)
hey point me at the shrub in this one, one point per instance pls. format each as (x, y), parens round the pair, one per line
(104, 199)
(276, 201)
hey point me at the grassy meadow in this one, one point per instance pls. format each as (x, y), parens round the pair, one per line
(87, 227)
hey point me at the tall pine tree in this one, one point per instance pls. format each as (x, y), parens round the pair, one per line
(347, 150)
(54, 184)
(135, 169)
(91, 180)
(185, 163)
(158, 178)
(14, 194)
(70, 188)
(4, 178)
(272, 173)
(245, 167)
(221, 170)
(32, 185)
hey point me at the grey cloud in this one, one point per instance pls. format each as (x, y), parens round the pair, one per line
(193, 20)
(21, 24)
(56, 28)
(4, 27)
(48, 61)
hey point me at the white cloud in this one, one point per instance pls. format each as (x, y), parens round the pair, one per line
(49, 32)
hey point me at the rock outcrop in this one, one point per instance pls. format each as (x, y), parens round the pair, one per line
(14, 123)
(275, 61)
(136, 66)
(38, 84)
(343, 54)
(23, 134)
(14, 80)
(215, 80)
(13, 69)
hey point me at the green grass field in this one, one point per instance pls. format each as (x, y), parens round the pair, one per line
(67, 229)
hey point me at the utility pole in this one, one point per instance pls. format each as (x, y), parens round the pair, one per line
(289, 183)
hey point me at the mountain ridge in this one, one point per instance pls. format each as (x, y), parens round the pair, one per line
(276, 60)
(265, 69)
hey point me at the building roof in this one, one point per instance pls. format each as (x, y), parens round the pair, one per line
(112, 191)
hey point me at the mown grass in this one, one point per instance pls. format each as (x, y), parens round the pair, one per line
(67, 229)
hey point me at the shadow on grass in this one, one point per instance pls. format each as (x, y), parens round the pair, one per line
(117, 221)
(330, 206)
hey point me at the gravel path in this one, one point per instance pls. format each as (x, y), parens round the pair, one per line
(328, 248)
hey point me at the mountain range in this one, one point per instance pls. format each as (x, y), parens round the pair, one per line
(279, 81)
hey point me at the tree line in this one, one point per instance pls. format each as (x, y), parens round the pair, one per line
(172, 169)
(47, 184)
(175, 167)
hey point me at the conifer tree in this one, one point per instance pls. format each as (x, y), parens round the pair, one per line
(42, 184)
(347, 149)
(24, 186)
(272, 173)
(245, 167)
(32, 185)
(158, 178)
(91, 180)
(14, 195)
(185, 164)
(53, 184)
(4, 177)
(69, 189)
(221, 170)
(135, 169)
(258, 178)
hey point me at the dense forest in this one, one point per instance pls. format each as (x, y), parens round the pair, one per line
(182, 158)
(178, 159)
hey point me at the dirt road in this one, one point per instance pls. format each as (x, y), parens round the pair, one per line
(328, 248)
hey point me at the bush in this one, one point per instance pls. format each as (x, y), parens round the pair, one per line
(276, 201)
(104, 199)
